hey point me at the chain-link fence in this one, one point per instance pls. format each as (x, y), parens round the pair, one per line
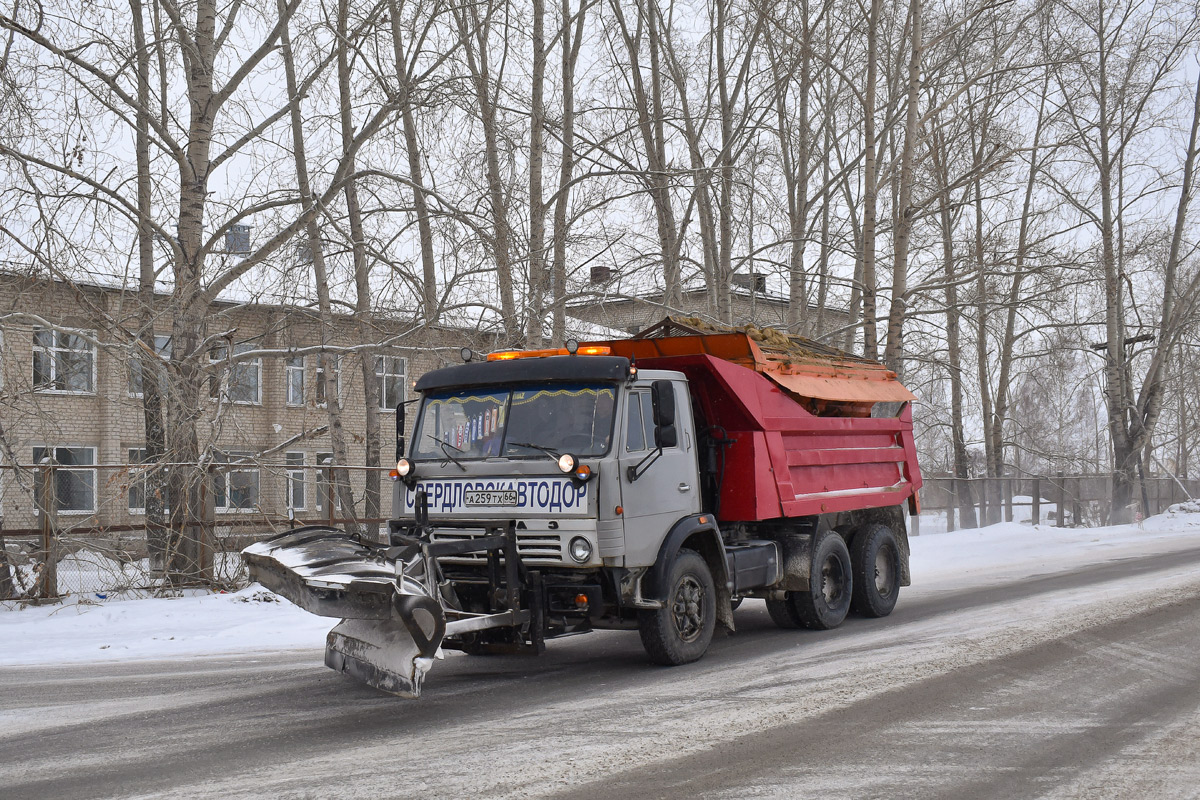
(69, 527)
(1059, 499)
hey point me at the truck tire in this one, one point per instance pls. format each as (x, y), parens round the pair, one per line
(680, 631)
(831, 583)
(876, 560)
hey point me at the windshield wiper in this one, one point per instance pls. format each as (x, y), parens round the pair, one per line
(533, 446)
(448, 454)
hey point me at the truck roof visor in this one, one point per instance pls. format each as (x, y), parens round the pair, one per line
(554, 368)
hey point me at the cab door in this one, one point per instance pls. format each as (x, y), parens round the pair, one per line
(666, 489)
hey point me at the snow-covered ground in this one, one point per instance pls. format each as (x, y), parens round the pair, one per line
(256, 621)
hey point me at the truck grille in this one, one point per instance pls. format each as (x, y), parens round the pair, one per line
(532, 545)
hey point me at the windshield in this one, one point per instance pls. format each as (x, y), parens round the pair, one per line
(518, 421)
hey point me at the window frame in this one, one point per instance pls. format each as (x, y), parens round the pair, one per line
(224, 379)
(646, 412)
(137, 475)
(84, 468)
(226, 471)
(382, 376)
(288, 370)
(324, 462)
(337, 381)
(53, 349)
(163, 352)
(291, 470)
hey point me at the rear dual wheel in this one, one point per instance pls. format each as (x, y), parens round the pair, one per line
(876, 561)
(830, 589)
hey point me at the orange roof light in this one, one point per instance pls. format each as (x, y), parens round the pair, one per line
(509, 355)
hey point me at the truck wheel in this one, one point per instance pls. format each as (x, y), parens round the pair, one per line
(830, 582)
(876, 560)
(680, 631)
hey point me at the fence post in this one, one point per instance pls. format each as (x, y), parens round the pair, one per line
(1037, 501)
(48, 512)
(329, 495)
(952, 505)
(208, 529)
(1062, 501)
(1008, 495)
(1077, 502)
(983, 501)
(7, 590)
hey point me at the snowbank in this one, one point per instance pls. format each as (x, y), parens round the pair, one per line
(256, 621)
(252, 620)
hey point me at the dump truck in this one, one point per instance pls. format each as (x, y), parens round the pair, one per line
(645, 484)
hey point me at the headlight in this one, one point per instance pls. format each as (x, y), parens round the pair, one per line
(580, 550)
(403, 467)
(566, 462)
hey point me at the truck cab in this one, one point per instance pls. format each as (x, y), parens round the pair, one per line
(594, 459)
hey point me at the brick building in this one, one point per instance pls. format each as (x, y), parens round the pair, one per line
(73, 392)
(751, 303)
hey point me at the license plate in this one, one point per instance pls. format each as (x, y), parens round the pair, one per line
(485, 497)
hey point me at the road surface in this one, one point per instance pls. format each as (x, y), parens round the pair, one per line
(1079, 683)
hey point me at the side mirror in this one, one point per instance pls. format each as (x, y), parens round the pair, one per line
(665, 436)
(399, 431)
(662, 398)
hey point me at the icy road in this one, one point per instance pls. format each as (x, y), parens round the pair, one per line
(1023, 662)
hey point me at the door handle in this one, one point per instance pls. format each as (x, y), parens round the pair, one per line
(683, 487)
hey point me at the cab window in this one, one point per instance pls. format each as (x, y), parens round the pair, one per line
(639, 426)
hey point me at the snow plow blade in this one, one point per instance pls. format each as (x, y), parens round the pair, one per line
(391, 626)
(393, 618)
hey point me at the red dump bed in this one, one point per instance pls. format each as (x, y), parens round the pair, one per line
(804, 440)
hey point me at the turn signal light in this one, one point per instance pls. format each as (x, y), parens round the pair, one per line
(583, 472)
(581, 600)
(394, 475)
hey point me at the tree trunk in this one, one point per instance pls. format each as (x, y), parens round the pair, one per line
(894, 350)
(538, 282)
(431, 307)
(156, 488)
(325, 363)
(570, 57)
(362, 282)
(870, 332)
(475, 34)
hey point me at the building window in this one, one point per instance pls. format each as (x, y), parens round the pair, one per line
(75, 478)
(389, 380)
(294, 375)
(235, 488)
(139, 482)
(334, 364)
(325, 483)
(242, 379)
(162, 347)
(63, 362)
(237, 240)
(295, 481)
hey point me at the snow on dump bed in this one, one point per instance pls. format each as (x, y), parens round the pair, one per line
(257, 621)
